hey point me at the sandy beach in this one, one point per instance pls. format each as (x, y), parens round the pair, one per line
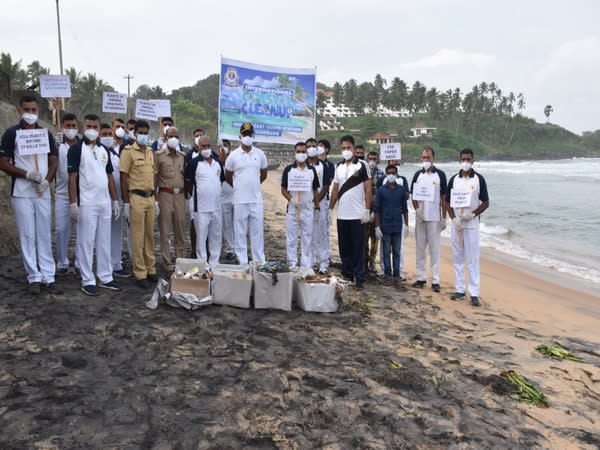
(394, 368)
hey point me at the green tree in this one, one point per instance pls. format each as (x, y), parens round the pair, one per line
(351, 93)
(338, 94)
(417, 97)
(13, 73)
(547, 111)
(87, 98)
(321, 99)
(34, 70)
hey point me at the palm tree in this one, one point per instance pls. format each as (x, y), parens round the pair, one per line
(34, 70)
(157, 93)
(520, 101)
(547, 111)
(87, 98)
(338, 94)
(74, 76)
(13, 73)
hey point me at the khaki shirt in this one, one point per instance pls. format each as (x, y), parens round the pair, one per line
(169, 169)
(139, 166)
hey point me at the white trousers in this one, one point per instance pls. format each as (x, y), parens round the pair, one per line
(93, 230)
(208, 226)
(248, 218)
(300, 221)
(62, 217)
(465, 249)
(116, 242)
(427, 237)
(34, 225)
(320, 240)
(227, 215)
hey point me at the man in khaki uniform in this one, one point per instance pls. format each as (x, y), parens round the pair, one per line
(139, 204)
(171, 195)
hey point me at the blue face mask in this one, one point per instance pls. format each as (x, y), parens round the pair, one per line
(142, 139)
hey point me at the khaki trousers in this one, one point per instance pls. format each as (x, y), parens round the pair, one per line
(172, 217)
(142, 235)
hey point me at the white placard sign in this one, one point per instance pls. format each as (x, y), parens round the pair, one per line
(460, 198)
(423, 192)
(163, 107)
(146, 109)
(33, 142)
(114, 102)
(299, 182)
(55, 86)
(388, 152)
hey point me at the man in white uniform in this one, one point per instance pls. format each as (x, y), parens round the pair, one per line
(227, 207)
(302, 207)
(245, 170)
(91, 189)
(31, 177)
(62, 211)
(470, 186)
(203, 177)
(430, 211)
(191, 154)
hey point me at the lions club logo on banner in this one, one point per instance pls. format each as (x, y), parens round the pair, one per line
(232, 79)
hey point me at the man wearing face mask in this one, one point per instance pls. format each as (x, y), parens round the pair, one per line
(169, 170)
(227, 207)
(465, 224)
(161, 143)
(430, 217)
(130, 136)
(62, 208)
(91, 190)
(352, 189)
(116, 224)
(31, 177)
(371, 241)
(119, 134)
(139, 205)
(204, 176)
(245, 170)
(194, 152)
(301, 208)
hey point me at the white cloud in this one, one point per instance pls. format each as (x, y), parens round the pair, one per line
(578, 58)
(448, 57)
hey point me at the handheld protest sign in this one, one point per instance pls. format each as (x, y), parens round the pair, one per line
(55, 86)
(423, 192)
(33, 142)
(163, 107)
(460, 198)
(299, 182)
(389, 152)
(114, 102)
(146, 109)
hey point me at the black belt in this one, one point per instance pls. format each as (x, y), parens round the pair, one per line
(142, 193)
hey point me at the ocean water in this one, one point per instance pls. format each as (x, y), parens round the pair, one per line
(547, 212)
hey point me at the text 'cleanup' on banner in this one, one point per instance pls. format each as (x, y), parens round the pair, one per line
(279, 102)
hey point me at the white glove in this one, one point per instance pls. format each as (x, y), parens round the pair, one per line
(444, 223)
(467, 216)
(372, 217)
(74, 212)
(404, 231)
(34, 175)
(42, 186)
(293, 203)
(126, 212)
(457, 223)
(116, 207)
(420, 215)
(366, 217)
(156, 209)
(59, 138)
(378, 233)
(329, 215)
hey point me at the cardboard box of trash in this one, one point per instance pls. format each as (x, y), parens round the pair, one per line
(315, 297)
(272, 290)
(232, 285)
(196, 285)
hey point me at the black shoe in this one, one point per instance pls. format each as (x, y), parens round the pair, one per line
(152, 277)
(143, 284)
(51, 287)
(91, 290)
(229, 256)
(77, 273)
(457, 296)
(110, 285)
(435, 287)
(359, 286)
(61, 272)
(34, 288)
(121, 273)
(419, 284)
(475, 301)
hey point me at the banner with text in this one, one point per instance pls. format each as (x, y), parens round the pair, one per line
(114, 102)
(279, 102)
(55, 86)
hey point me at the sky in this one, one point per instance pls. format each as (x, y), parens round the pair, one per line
(548, 50)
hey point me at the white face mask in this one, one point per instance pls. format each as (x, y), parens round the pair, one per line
(312, 152)
(347, 154)
(165, 129)
(301, 157)
(173, 142)
(247, 141)
(372, 164)
(91, 134)
(391, 178)
(466, 166)
(70, 133)
(197, 140)
(426, 165)
(226, 150)
(107, 141)
(120, 132)
(131, 135)
(29, 118)
(320, 150)
(206, 153)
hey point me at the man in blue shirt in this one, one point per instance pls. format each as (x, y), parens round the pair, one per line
(390, 213)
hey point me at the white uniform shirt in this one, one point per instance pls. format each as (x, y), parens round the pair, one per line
(116, 164)
(351, 205)
(93, 179)
(246, 167)
(208, 186)
(305, 197)
(476, 184)
(432, 210)
(62, 176)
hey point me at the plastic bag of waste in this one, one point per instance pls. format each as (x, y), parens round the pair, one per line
(187, 301)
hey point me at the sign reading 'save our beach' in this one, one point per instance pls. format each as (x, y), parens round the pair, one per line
(33, 142)
(279, 102)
